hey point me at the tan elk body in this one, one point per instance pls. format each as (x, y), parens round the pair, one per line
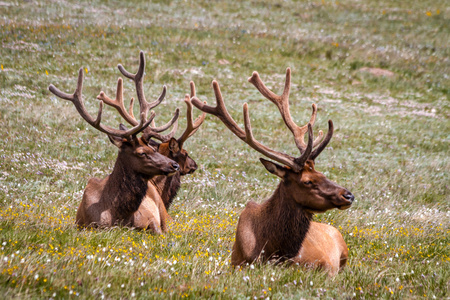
(281, 228)
(115, 199)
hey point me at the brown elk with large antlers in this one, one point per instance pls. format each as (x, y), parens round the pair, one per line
(281, 227)
(114, 199)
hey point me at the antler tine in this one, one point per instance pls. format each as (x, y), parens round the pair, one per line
(152, 131)
(325, 142)
(200, 119)
(282, 102)
(312, 120)
(197, 123)
(275, 155)
(129, 117)
(192, 86)
(221, 112)
(160, 98)
(166, 137)
(163, 138)
(306, 154)
(130, 108)
(138, 79)
(192, 126)
(118, 103)
(77, 99)
(174, 120)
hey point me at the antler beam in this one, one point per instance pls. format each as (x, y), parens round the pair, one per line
(77, 99)
(221, 112)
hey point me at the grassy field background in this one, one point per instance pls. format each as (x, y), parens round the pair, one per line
(390, 147)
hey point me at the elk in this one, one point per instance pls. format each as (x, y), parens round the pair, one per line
(173, 149)
(167, 186)
(115, 199)
(281, 228)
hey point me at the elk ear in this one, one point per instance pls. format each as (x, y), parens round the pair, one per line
(122, 127)
(117, 141)
(174, 146)
(274, 168)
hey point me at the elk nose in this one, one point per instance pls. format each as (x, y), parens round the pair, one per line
(175, 166)
(349, 196)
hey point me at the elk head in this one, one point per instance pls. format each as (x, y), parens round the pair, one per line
(309, 188)
(144, 159)
(133, 151)
(173, 148)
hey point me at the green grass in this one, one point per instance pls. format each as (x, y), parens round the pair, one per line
(390, 146)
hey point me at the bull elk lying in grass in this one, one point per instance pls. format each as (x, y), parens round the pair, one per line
(281, 228)
(115, 199)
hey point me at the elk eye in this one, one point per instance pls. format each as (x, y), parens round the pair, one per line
(309, 182)
(141, 154)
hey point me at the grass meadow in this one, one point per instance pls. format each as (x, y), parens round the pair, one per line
(379, 69)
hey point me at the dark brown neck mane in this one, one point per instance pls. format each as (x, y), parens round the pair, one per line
(285, 224)
(126, 189)
(167, 187)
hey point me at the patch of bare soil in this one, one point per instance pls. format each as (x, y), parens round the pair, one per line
(22, 46)
(377, 72)
(395, 106)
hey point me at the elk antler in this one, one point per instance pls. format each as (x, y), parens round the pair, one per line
(152, 131)
(77, 99)
(138, 79)
(282, 102)
(118, 103)
(221, 112)
(192, 126)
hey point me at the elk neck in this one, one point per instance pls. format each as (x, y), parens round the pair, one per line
(167, 187)
(286, 223)
(126, 189)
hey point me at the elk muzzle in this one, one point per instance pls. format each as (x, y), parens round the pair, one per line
(164, 165)
(175, 167)
(192, 167)
(347, 197)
